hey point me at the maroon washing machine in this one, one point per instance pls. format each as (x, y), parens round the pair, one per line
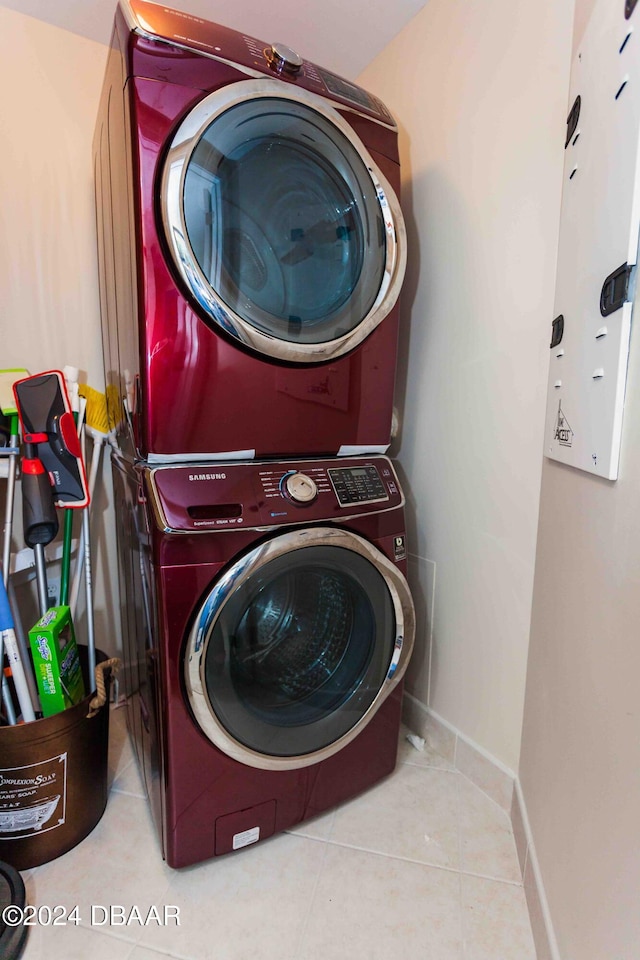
(267, 626)
(251, 246)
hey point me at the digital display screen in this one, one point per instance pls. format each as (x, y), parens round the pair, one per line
(348, 90)
(357, 485)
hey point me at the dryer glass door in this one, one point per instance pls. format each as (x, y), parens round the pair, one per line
(291, 655)
(279, 228)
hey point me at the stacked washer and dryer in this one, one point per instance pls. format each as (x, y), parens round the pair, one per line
(251, 252)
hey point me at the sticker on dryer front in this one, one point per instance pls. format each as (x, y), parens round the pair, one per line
(246, 837)
(399, 548)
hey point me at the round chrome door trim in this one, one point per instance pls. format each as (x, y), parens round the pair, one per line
(234, 577)
(174, 172)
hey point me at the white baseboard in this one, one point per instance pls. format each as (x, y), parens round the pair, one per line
(487, 772)
(539, 913)
(503, 786)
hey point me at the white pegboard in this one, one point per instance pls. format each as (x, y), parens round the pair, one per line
(599, 225)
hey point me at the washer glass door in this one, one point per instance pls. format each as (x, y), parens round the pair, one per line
(291, 652)
(277, 225)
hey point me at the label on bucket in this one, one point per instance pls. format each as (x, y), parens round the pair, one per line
(33, 799)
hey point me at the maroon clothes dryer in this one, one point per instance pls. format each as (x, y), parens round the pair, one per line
(267, 627)
(251, 246)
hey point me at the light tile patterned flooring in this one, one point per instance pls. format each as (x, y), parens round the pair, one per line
(421, 866)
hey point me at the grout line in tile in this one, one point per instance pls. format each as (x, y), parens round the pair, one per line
(161, 898)
(421, 863)
(161, 953)
(463, 939)
(297, 953)
(488, 796)
(429, 766)
(473, 873)
(463, 944)
(105, 932)
(511, 833)
(490, 878)
(387, 856)
(305, 836)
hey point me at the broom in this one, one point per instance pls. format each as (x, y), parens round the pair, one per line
(97, 426)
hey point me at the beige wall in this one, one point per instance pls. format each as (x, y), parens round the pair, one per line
(480, 91)
(580, 766)
(50, 317)
(51, 83)
(580, 760)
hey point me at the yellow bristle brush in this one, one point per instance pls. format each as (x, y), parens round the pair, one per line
(96, 413)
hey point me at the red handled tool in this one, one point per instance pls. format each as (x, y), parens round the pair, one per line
(48, 424)
(39, 517)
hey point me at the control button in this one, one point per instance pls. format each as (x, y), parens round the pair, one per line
(283, 59)
(300, 488)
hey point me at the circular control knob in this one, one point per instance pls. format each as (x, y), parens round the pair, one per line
(300, 487)
(283, 59)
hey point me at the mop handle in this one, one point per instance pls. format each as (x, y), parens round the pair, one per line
(98, 444)
(86, 530)
(13, 656)
(11, 486)
(39, 518)
(13, 455)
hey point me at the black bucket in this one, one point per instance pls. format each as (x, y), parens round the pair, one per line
(12, 894)
(53, 780)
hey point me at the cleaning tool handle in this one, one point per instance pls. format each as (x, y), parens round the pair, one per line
(6, 617)
(65, 568)
(40, 520)
(11, 486)
(13, 656)
(23, 646)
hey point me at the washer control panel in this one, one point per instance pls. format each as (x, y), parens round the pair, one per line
(357, 485)
(230, 496)
(299, 487)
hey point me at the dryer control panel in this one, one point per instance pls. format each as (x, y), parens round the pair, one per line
(218, 496)
(148, 18)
